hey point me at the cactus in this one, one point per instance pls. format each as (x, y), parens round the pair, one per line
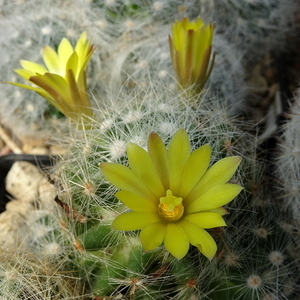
(255, 252)
(38, 271)
(288, 161)
(130, 44)
(254, 27)
(75, 252)
(286, 169)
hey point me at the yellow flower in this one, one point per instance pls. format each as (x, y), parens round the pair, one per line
(190, 48)
(172, 195)
(63, 81)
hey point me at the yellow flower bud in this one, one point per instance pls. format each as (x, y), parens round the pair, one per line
(190, 48)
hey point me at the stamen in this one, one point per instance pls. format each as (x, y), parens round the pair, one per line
(170, 207)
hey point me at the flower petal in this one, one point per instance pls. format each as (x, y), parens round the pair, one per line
(36, 89)
(178, 152)
(80, 43)
(33, 67)
(51, 60)
(158, 154)
(200, 238)
(124, 178)
(84, 49)
(220, 211)
(64, 51)
(56, 86)
(134, 221)
(219, 173)
(176, 241)
(77, 102)
(72, 64)
(152, 236)
(143, 167)
(26, 74)
(81, 48)
(217, 196)
(135, 202)
(206, 219)
(194, 169)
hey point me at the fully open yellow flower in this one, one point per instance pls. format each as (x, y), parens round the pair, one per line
(63, 81)
(190, 48)
(172, 194)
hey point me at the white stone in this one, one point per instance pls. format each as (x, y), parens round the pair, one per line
(33, 198)
(47, 193)
(23, 180)
(10, 233)
(20, 207)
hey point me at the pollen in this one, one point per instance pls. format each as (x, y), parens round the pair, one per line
(170, 208)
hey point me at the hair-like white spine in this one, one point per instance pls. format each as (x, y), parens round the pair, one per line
(136, 94)
(288, 161)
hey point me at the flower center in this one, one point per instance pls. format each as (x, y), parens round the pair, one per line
(170, 207)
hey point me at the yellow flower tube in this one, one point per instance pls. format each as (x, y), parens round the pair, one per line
(172, 194)
(190, 49)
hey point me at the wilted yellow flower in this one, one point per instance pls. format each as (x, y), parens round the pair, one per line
(172, 195)
(190, 47)
(63, 81)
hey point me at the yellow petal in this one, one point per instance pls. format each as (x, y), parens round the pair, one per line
(72, 64)
(64, 51)
(189, 57)
(158, 154)
(185, 24)
(172, 50)
(81, 45)
(40, 91)
(135, 202)
(76, 102)
(200, 238)
(198, 23)
(152, 236)
(217, 196)
(219, 173)
(220, 211)
(182, 54)
(33, 67)
(176, 30)
(203, 35)
(178, 153)
(54, 85)
(206, 220)
(134, 221)
(194, 169)
(83, 61)
(83, 50)
(123, 178)
(36, 89)
(51, 60)
(203, 65)
(143, 167)
(82, 87)
(56, 91)
(176, 241)
(177, 67)
(26, 74)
